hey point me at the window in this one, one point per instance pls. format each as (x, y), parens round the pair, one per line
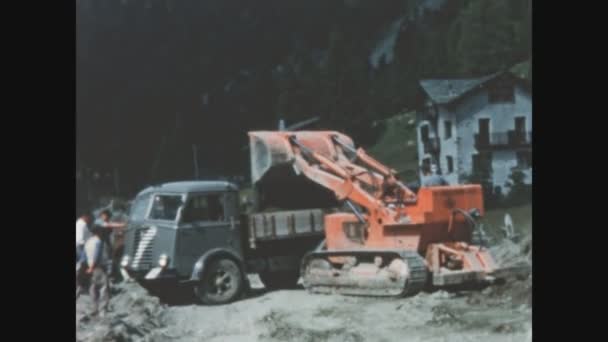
(140, 207)
(501, 91)
(450, 161)
(484, 127)
(519, 136)
(520, 124)
(482, 162)
(483, 132)
(426, 165)
(448, 129)
(424, 133)
(524, 159)
(475, 162)
(207, 207)
(165, 207)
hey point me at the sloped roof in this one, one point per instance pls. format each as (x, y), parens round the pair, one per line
(444, 91)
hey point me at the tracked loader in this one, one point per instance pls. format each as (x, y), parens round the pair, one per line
(384, 240)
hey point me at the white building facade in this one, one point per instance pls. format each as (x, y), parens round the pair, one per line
(477, 127)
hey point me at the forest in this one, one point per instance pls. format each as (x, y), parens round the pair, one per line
(161, 81)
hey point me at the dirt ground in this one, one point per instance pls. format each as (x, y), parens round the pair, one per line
(497, 313)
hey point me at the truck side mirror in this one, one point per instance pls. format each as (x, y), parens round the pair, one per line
(180, 211)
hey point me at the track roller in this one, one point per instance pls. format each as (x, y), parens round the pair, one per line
(364, 273)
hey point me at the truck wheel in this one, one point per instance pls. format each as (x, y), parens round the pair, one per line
(280, 279)
(222, 282)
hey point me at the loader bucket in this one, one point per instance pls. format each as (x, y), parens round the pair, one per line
(272, 149)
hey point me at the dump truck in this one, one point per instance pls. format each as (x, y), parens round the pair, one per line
(323, 211)
(193, 233)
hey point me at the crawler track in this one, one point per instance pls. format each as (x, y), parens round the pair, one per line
(392, 273)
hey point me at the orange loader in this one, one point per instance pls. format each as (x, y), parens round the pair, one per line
(388, 241)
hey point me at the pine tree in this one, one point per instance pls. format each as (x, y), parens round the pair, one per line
(471, 40)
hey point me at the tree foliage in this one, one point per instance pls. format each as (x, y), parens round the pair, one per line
(140, 63)
(520, 192)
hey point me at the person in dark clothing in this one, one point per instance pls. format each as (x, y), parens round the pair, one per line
(104, 222)
(112, 236)
(390, 187)
(434, 179)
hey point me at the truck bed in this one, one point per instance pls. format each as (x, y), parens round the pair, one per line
(281, 225)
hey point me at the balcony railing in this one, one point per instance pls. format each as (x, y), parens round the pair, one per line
(430, 145)
(503, 139)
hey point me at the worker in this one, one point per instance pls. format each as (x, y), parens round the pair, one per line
(434, 179)
(390, 188)
(95, 263)
(114, 242)
(104, 220)
(82, 233)
(425, 169)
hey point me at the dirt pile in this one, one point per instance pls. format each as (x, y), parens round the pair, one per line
(508, 253)
(134, 315)
(278, 329)
(512, 253)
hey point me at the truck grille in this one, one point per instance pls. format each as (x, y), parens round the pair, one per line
(142, 245)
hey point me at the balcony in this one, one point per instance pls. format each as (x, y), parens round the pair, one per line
(430, 145)
(509, 139)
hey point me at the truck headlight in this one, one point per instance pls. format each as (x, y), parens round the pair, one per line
(163, 261)
(125, 261)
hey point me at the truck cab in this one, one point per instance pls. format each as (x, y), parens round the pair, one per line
(187, 232)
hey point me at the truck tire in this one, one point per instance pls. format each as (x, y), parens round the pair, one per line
(280, 279)
(221, 283)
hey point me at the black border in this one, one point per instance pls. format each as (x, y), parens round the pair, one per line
(46, 74)
(565, 162)
(40, 138)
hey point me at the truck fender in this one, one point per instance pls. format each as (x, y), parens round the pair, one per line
(200, 265)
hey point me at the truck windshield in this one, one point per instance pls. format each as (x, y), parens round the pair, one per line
(140, 207)
(165, 207)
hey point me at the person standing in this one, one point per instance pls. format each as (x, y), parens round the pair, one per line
(114, 242)
(434, 179)
(82, 233)
(95, 257)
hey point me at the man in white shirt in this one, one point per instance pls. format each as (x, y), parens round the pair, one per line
(95, 256)
(82, 234)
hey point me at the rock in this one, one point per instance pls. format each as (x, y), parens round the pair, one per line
(135, 315)
(503, 328)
